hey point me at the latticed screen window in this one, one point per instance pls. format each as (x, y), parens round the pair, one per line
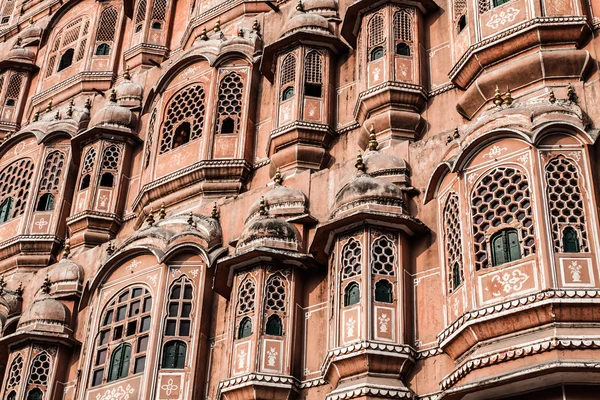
(246, 302)
(184, 118)
(453, 241)
(88, 166)
(69, 46)
(275, 305)
(39, 373)
(16, 370)
(53, 170)
(487, 5)
(383, 257)
(35, 394)
(313, 74)
(230, 104)
(501, 198)
(288, 76)
(159, 13)
(105, 35)
(180, 308)
(15, 184)
(123, 336)
(460, 11)
(351, 259)
(375, 37)
(403, 31)
(14, 89)
(7, 10)
(110, 165)
(565, 201)
(140, 15)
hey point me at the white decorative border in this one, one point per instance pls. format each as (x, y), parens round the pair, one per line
(563, 267)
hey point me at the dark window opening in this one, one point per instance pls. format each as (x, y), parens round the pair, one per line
(497, 3)
(383, 292)
(182, 134)
(12, 396)
(352, 294)
(156, 25)
(228, 125)
(245, 328)
(66, 59)
(402, 49)
(570, 241)
(6, 209)
(138, 28)
(376, 53)
(45, 203)
(288, 93)
(35, 394)
(103, 50)
(312, 89)
(5, 20)
(505, 247)
(85, 182)
(456, 275)
(274, 326)
(10, 102)
(119, 363)
(174, 355)
(462, 23)
(107, 179)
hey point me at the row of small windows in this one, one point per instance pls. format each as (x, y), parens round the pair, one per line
(39, 374)
(313, 75)
(402, 34)
(273, 327)
(383, 293)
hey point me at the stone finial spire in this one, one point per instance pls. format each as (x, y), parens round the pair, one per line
(263, 207)
(18, 42)
(20, 289)
(46, 285)
(2, 284)
(150, 218)
(203, 35)
(126, 73)
(215, 212)
(49, 106)
(571, 94)
(113, 96)
(552, 97)
(277, 178)
(67, 248)
(508, 97)
(217, 27)
(36, 116)
(299, 6)
(57, 115)
(162, 213)
(373, 144)
(88, 104)
(256, 27)
(498, 97)
(70, 109)
(190, 219)
(110, 249)
(360, 166)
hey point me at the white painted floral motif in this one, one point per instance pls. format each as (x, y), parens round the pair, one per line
(271, 357)
(19, 148)
(175, 272)
(376, 73)
(384, 321)
(350, 324)
(241, 359)
(170, 387)
(471, 178)
(194, 272)
(523, 158)
(575, 269)
(503, 17)
(455, 306)
(133, 265)
(495, 151)
(575, 155)
(509, 282)
(153, 278)
(117, 393)
(311, 112)
(41, 223)
(103, 201)
(176, 159)
(286, 113)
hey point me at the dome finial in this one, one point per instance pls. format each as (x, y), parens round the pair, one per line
(203, 35)
(552, 97)
(498, 97)
(67, 248)
(215, 212)
(46, 285)
(190, 219)
(162, 213)
(372, 139)
(256, 27)
(217, 27)
(36, 116)
(2, 284)
(150, 218)
(571, 94)
(20, 289)
(299, 6)
(360, 166)
(507, 97)
(277, 178)
(263, 207)
(88, 104)
(113, 96)
(49, 106)
(126, 73)
(18, 42)
(70, 109)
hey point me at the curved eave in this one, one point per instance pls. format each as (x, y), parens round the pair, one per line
(326, 232)
(18, 65)
(311, 38)
(37, 336)
(353, 15)
(113, 132)
(256, 255)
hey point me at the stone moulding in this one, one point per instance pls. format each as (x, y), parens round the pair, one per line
(415, 96)
(266, 378)
(560, 343)
(366, 347)
(539, 298)
(383, 392)
(88, 79)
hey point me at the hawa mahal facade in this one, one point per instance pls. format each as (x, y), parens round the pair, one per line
(312, 200)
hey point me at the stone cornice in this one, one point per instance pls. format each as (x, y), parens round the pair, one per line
(85, 76)
(416, 90)
(368, 347)
(372, 390)
(258, 378)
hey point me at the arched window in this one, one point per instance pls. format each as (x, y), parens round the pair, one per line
(375, 31)
(123, 334)
(501, 197)
(247, 294)
(45, 203)
(111, 159)
(383, 292)
(383, 257)
(6, 209)
(565, 204)
(35, 394)
(107, 27)
(229, 110)
(7, 11)
(245, 328)
(87, 168)
(119, 362)
(274, 326)
(85, 182)
(159, 13)
(140, 15)
(16, 370)
(107, 180)
(453, 242)
(156, 25)
(66, 59)
(103, 49)
(352, 294)
(376, 53)
(15, 184)
(460, 10)
(351, 259)
(462, 23)
(402, 49)
(13, 91)
(505, 247)
(12, 396)
(69, 45)
(174, 354)
(570, 240)
(288, 93)
(187, 106)
(40, 370)
(313, 74)
(179, 317)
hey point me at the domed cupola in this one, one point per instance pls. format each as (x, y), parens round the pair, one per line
(325, 8)
(66, 278)
(46, 314)
(10, 303)
(308, 22)
(31, 35)
(129, 93)
(20, 54)
(113, 116)
(386, 166)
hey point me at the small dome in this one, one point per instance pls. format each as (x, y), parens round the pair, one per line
(395, 168)
(45, 314)
(114, 114)
(281, 201)
(31, 32)
(128, 92)
(319, 5)
(304, 21)
(21, 54)
(271, 232)
(367, 190)
(65, 270)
